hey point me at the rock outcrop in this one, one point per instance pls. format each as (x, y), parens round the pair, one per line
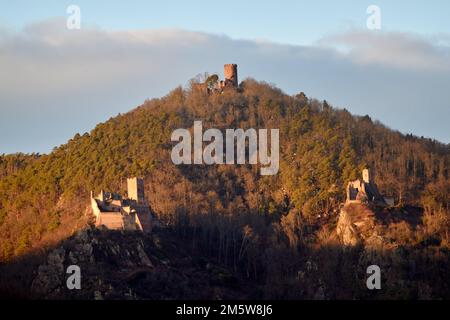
(373, 227)
(346, 230)
(130, 265)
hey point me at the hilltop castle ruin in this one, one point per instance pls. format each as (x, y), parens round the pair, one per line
(214, 85)
(231, 76)
(365, 191)
(117, 213)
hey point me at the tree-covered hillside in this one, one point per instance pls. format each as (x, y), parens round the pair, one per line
(231, 209)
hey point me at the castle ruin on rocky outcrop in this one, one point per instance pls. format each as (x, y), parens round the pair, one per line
(365, 190)
(357, 219)
(114, 212)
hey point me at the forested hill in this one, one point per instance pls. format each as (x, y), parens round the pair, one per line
(44, 198)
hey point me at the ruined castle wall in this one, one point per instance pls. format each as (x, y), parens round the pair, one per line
(116, 213)
(129, 222)
(144, 219)
(111, 220)
(353, 188)
(95, 208)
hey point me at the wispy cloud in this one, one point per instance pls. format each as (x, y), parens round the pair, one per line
(393, 49)
(55, 82)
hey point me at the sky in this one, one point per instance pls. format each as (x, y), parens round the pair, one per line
(56, 82)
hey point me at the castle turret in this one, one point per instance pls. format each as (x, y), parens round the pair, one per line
(366, 175)
(102, 196)
(136, 189)
(231, 75)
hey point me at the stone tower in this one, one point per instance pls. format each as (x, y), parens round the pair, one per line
(231, 75)
(136, 189)
(366, 175)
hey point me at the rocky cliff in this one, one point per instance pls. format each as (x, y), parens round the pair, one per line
(375, 227)
(131, 265)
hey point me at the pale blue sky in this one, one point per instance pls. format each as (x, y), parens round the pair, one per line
(55, 83)
(288, 21)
